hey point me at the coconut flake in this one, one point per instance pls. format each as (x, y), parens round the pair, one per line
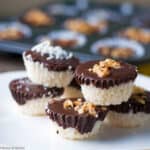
(55, 52)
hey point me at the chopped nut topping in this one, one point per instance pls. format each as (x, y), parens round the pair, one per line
(68, 104)
(77, 103)
(11, 34)
(81, 107)
(137, 89)
(103, 68)
(64, 42)
(86, 107)
(139, 95)
(122, 53)
(137, 34)
(38, 18)
(102, 72)
(81, 26)
(116, 52)
(111, 63)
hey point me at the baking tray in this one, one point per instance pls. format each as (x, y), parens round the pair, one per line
(19, 48)
(20, 45)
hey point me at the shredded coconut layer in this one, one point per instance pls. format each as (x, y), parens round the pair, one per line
(113, 95)
(55, 52)
(74, 134)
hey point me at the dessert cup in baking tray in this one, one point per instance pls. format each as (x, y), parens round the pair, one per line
(115, 22)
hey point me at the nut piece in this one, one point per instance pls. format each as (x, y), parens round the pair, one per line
(137, 89)
(139, 98)
(68, 104)
(110, 63)
(139, 95)
(102, 72)
(86, 107)
(81, 107)
(78, 102)
(103, 68)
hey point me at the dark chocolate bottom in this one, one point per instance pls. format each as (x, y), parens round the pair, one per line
(139, 102)
(23, 90)
(84, 123)
(74, 84)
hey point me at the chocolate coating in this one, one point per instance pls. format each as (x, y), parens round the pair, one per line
(133, 105)
(124, 74)
(74, 84)
(66, 118)
(23, 90)
(53, 64)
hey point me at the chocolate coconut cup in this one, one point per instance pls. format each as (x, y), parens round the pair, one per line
(14, 31)
(114, 88)
(134, 112)
(37, 18)
(81, 26)
(32, 98)
(118, 48)
(141, 35)
(67, 39)
(50, 66)
(72, 124)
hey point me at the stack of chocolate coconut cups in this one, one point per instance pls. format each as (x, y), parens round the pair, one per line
(109, 97)
(50, 72)
(110, 83)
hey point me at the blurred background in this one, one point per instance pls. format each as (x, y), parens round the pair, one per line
(93, 29)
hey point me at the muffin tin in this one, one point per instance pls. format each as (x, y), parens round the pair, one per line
(115, 19)
(137, 49)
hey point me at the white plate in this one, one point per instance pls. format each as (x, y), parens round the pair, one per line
(33, 133)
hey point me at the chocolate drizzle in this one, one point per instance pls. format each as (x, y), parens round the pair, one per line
(133, 105)
(124, 74)
(66, 118)
(23, 90)
(53, 64)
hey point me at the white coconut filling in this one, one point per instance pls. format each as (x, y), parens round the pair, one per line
(35, 107)
(113, 95)
(74, 134)
(126, 120)
(38, 74)
(71, 92)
